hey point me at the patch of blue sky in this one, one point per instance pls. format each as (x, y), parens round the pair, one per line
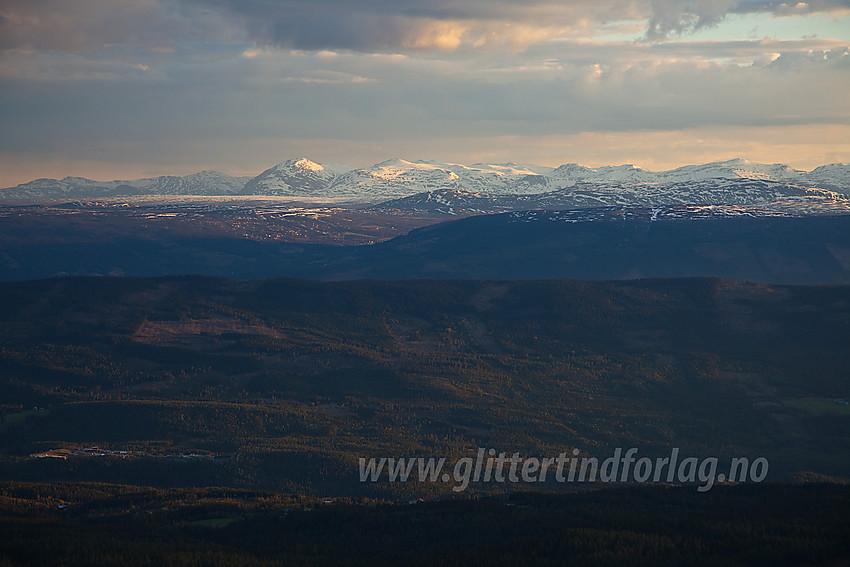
(736, 27)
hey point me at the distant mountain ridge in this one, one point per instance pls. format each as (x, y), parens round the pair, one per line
(398, 179)
(748, 192)
(206, 183)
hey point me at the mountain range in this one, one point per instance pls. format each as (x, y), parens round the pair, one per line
(399, 178)
(780, 196)
(505, 186)
(204, 183)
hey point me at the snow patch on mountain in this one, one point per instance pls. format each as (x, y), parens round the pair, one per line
(202, 183)
(742, 192)
(650, 214)
(399, 178)
(295, 177)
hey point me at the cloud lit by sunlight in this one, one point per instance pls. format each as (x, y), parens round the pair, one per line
(370, 79)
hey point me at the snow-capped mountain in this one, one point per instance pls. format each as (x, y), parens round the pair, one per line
(398, 178)
(835, 177)
(734, 169)
(572, 173)
(294, 178)
(69, 187)
(203, 183)
(394, 178)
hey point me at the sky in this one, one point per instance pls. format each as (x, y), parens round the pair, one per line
(120, 89)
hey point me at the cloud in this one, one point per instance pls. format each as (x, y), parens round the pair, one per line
(88, 25)
(100, 79)
(384, 26)
(372, 26)
(679, 17)
(790, 7)
(674, 17)
(387, 25)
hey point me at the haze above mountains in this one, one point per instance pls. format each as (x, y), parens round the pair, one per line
(737, 181)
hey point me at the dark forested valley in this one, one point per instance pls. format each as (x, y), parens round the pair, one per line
(189, 409)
